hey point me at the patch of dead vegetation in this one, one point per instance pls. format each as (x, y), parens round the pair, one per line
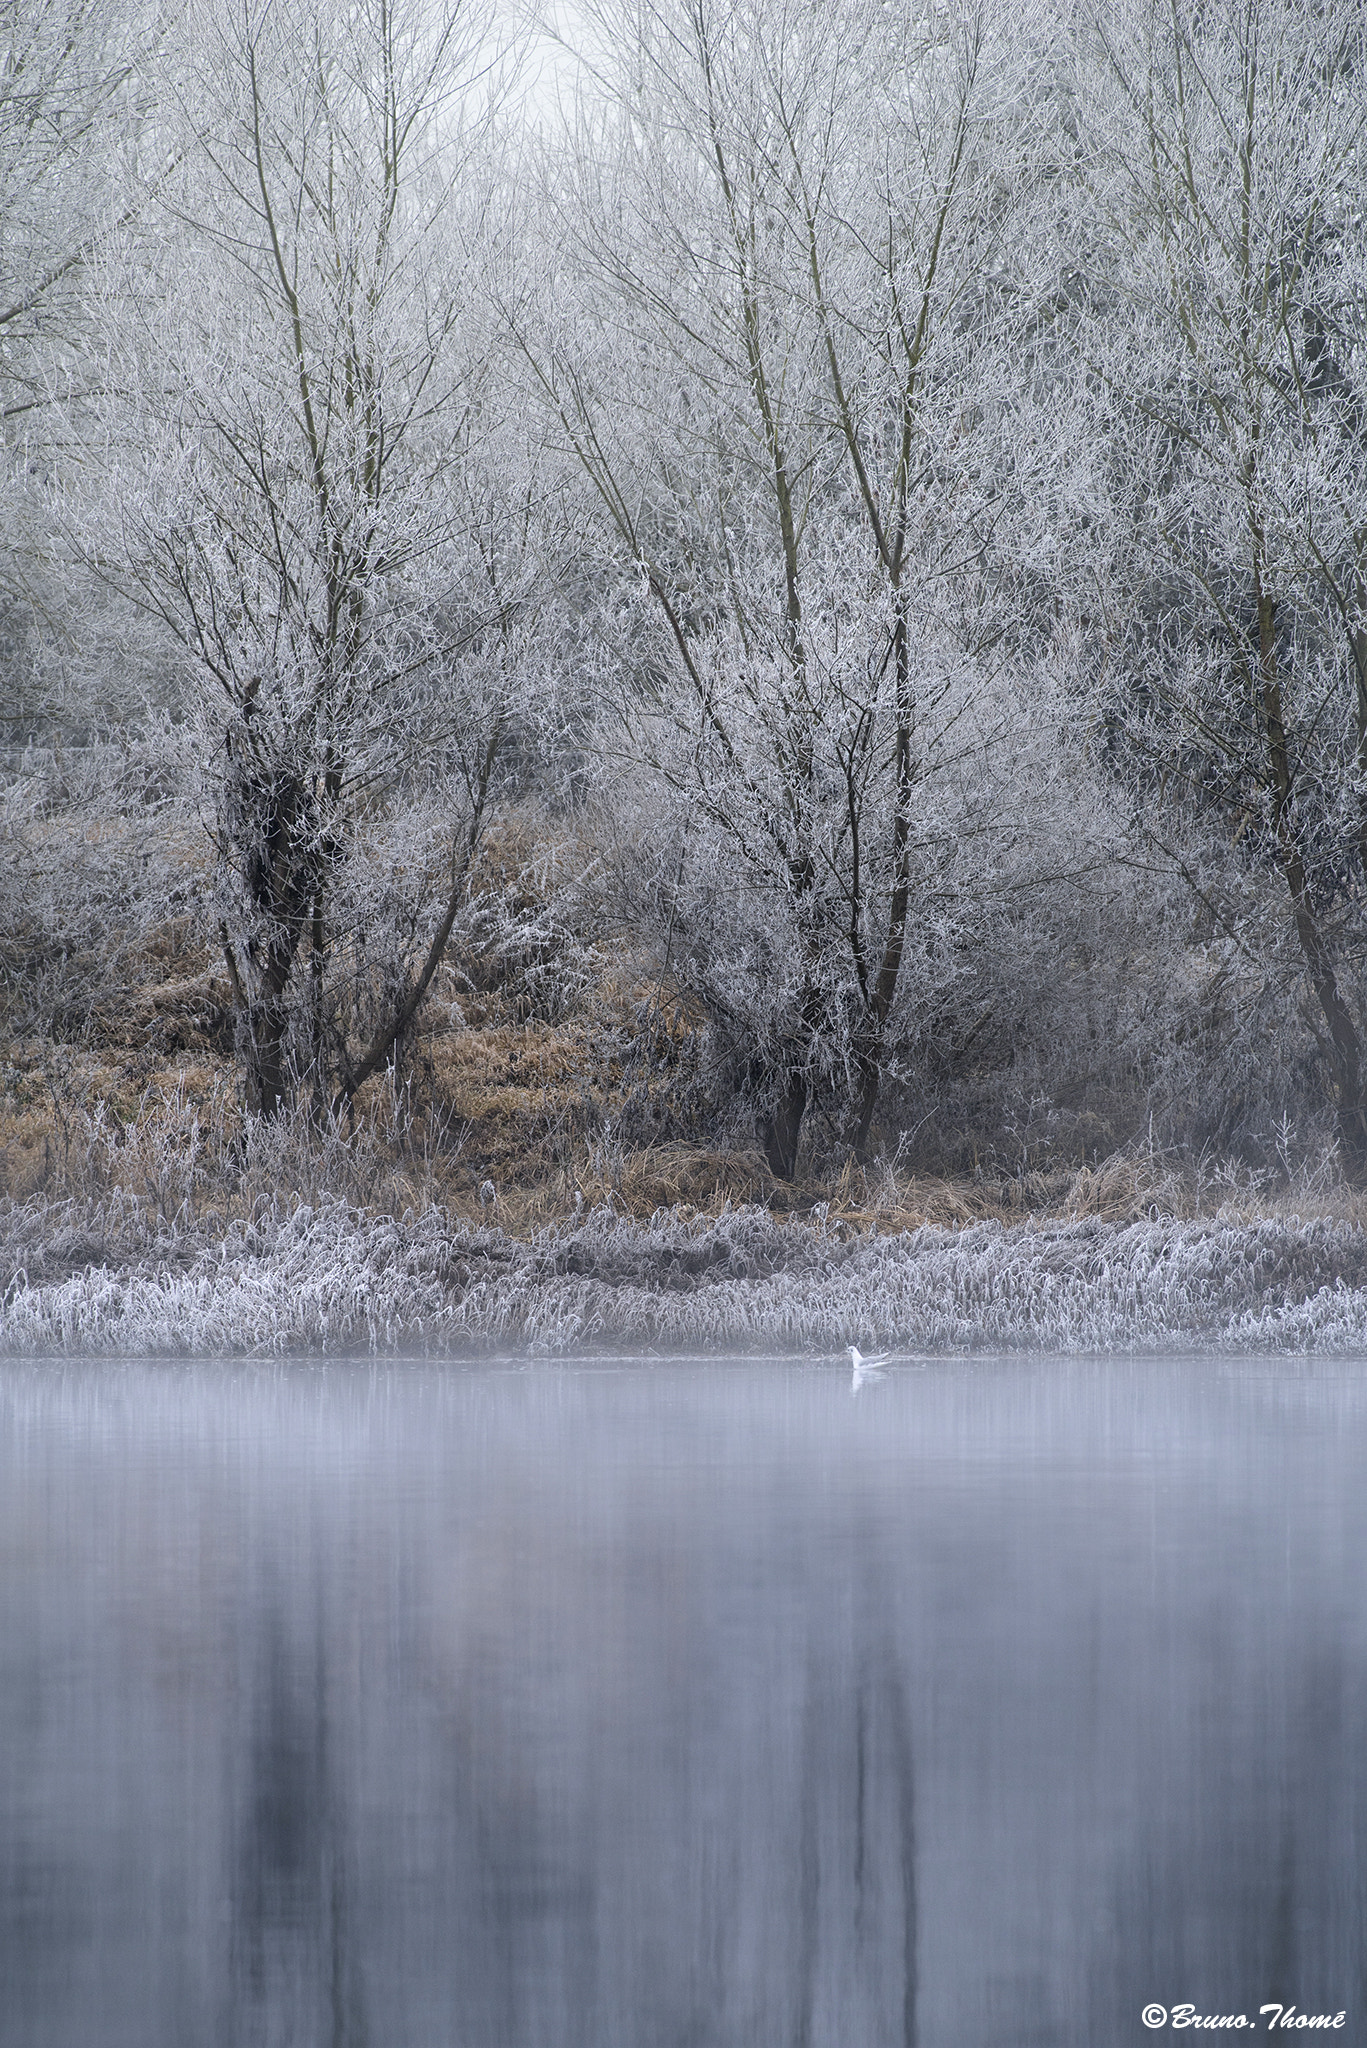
(503, 1115)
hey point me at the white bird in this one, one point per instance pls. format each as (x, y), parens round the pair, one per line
(865, 1368)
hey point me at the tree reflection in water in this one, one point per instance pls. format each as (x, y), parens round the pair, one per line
(556, 1710)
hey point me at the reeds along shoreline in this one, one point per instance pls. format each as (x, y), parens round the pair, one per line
(326, 1279)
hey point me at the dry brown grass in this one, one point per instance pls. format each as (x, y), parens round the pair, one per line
(502, 1116)
(512, 1123)
(1136, 1183)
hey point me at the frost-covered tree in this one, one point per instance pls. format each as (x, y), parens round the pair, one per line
(776, 346)
(1228, 161)
(72, 108)
(296, 486)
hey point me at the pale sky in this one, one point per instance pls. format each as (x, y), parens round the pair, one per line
(550, 62)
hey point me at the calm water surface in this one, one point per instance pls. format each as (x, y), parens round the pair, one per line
(654, 1706)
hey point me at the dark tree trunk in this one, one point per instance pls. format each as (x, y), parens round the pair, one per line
(264, 1025)
(865, 1103)
(1345, 1060)
(382, 1045)
(269, 833)
(882, 994)
(780, 1129)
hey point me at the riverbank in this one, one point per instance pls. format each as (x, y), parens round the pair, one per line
(328, 1279)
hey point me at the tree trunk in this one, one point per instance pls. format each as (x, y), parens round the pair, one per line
(264, 1025)
(1345, 1060)
(317, 958)
(884, 991)
(1345, 1053)
(262, 1020)
(1358, 642)
(865, 1103)
(391, 1031)
(780, 1129)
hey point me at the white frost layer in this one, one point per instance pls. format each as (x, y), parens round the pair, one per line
(325, 1280)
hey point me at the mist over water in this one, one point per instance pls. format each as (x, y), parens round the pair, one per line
(686, 1704)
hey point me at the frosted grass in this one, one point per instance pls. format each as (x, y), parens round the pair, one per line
(328, 1280)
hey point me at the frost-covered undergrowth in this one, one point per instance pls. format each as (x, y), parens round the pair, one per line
(327, 1280)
